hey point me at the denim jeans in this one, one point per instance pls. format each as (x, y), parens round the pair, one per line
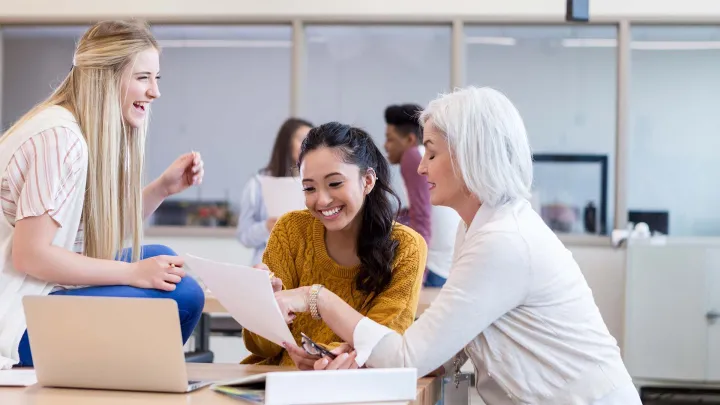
(433, 280)
(188, 294)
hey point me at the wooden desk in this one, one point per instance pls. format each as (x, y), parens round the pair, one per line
(427, 295)
(428, 392)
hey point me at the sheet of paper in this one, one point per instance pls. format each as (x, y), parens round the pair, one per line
(282, 195)
(247, 295)
(17, 378)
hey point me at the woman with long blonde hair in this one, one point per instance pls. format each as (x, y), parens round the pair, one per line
(71, 189)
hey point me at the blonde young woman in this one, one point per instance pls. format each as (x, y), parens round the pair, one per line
(71, 189)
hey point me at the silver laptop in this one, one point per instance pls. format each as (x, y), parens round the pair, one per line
(112, 343)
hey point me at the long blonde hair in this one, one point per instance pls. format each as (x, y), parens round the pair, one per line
(91, 91)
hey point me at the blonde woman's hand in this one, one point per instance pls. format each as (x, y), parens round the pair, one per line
(160, 272)
(187, 170)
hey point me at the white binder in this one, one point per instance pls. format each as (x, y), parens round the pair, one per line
(332, 387)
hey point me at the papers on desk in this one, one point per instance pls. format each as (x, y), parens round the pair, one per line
(324, 387)
(256, 395)
(247, 295)
(281, 195)
(17, 377)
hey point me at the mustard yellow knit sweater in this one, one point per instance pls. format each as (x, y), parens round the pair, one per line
(296, 253)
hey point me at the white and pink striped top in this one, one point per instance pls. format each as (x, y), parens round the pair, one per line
(41, 176)
(43, 169)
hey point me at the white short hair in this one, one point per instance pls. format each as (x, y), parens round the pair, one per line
(487, 141)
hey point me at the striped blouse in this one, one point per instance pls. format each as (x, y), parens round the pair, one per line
(40, 177)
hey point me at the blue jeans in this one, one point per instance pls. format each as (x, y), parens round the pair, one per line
(188, 294)
(433, 280)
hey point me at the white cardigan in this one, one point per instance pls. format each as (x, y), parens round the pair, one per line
(518, 304)
(13, 284)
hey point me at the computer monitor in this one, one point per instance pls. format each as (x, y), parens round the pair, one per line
(577, 10)
(658, 221)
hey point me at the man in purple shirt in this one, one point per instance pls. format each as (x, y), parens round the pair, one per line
(403, 138)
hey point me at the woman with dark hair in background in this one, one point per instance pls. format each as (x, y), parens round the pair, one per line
(346, 239)
(254, 226)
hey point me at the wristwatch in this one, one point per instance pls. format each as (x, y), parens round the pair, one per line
(312, 300)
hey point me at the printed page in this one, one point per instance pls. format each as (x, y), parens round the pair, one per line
(247, 295)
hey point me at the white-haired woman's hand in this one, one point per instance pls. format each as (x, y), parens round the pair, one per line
(345, 356)
(292, 302)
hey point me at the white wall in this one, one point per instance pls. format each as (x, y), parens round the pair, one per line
(176, 9)
(32, 68)
(354, 72)
(226, 103)
(566, 96)
(51, 10)
(675, 129)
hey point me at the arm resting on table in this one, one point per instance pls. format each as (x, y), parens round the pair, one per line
(489, 278)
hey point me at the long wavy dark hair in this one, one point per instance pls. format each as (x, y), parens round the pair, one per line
(281, 161)
(375, 247)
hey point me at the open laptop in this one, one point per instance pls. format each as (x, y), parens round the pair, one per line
(113, 343)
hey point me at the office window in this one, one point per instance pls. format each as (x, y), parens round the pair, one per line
(563, 81)
(675, 129)
(354, 72)
(225, 92)
(35, 60)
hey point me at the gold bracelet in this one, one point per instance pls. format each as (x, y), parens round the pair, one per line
(312, 300)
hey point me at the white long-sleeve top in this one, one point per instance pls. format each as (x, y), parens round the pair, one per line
(519, 307)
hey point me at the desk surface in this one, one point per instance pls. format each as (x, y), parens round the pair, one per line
(427, 295)
(428, 392)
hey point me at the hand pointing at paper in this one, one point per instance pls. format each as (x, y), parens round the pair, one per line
(292, 302)
(276, 283)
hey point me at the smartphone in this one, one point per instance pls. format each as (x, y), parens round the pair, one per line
(313, 348)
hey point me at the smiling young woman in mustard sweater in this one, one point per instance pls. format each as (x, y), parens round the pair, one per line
(346, 240)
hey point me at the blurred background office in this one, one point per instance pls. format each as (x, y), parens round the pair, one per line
(621, 113)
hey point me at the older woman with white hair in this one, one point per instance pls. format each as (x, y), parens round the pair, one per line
(516, 302)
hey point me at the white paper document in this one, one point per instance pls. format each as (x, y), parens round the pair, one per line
(247, 295)
(17, 378)
(282, 195)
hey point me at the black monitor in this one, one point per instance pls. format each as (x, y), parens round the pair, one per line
(658, 221)
(577, 10)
